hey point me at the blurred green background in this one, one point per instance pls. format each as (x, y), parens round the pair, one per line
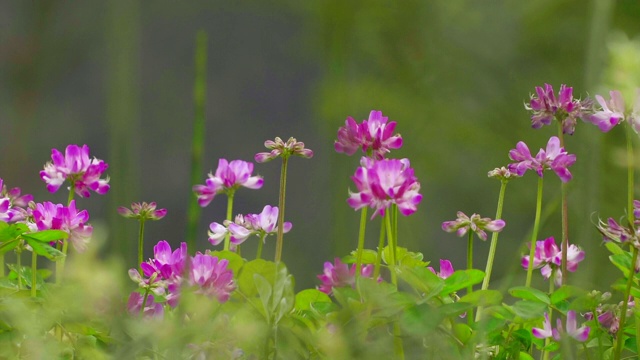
(119, 77)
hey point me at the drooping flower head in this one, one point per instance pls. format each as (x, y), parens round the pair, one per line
(280, 148)
(142, 211)
(48, 216)
(554, 157)
(374, 136)
(385, 182)
(12, 205)
(548, 258)
(244, 226)
(76, 167)
(339, 274)
(546, 107)
(446, 269)
(475, 223)
(581, 334)
(211, 277)
(229, 176)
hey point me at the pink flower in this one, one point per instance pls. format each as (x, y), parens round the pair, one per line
(152, 309)
(229, 176)
(167, 264)
(211, 277)
(75, 166)
(374, 136)
(59, 217)
(339, 274)
(385, 182)
(280, 148)
(142, 211)
(446, 269)
(611, 114)
(12, 205)
(262, 224)
(474, 223)
(548, 257)
(546, 107)
(554, 158)
(581, 334)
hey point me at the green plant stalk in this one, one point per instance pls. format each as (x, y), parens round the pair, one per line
(630, 215)
(197, 142)
(2, 265)
(376, 269)
(141, 246)
(60, 263)
(565, 217)
(144, 302)
(363, 225)
(470, 317)
(227, 238)
(625, 301)
(391, 244)
(534, 233)
(260, 246)
(72, 190)
(547, 341)
(281, 200)
(19, 268)
(34, 268)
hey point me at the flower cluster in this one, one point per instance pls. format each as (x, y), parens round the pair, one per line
(554, 157)
(142, 211)
(613, 112)
(581, 334)
(50, 216)
(339, 274)
(211, 277)
(244, 226)
(12, 204)
(608, 316)
(502, 174)
(228, 177)
(76, 167)
(374, 136)
(285, 149)
(475, 223)
(548, 258)
(612, 231)
(546, 107)
(384, 182)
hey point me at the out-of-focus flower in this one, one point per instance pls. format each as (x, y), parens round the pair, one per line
(76, 167)
(12, 205)
(152, 309)
(581, 334)
(211, 277)
(280, 148)
(169, 265)
(612, 231)
(612, 112)
(374, 136)
(548, 258)
(339, 274)
(244, 226)
(474, 223)
(608, 315)
(554, 158)
(546, 107)
(59, 217)
(385, 182)
(229, 176)
(142, 211)
(446, 269)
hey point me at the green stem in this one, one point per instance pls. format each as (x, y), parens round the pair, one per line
(625, 302)
(363, 225)
(60, 263)
(630, 175)
(227, 238)
(281, 200)
(144, 302)
(72, 191)
(376, 269)
(2, 265)
(260, 245)
(470, 317)
(19, 268)
(391, 245)
(34, 268)
(141, 245)
(565, 217)
(534, 233)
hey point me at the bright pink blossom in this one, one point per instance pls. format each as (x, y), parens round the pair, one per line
(474, 223)
(12, 204)
(554, 157)
(548, 258)
(142, 211)
(546, 107)
(339, 274)
(374, 136)
(76, 167)
(243, 226)
(47, 216)
(446, 269)
(229, 176)
(167, 264)
(211, 277)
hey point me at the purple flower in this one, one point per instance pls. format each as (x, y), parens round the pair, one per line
(385, 182)
(280, 148)
(142, 211)
(75, 166)
(581, 334)
(554, 158)
(446, 269)
(548, 257)
(546, 107)
(167, 264)
(474, 223)
(339, 274)
(374, 136)
(211, 277)
(229, 176)
(12, 205)
(612, 231)
(152, 309)
(48, 216)
(612, 112)
(261, 225)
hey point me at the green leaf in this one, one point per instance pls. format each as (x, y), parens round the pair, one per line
(614, 248)
(622, 262)
(246, 283)
(9, 245)
(461, 279)
(47, 235)
(305, 298)
(566, 292)
(422, 280)
(368, 257)
(528, 293)
(529, 309)
(404, 257)
(482, 297)
(265, 291)
(235, 260)
(421, 319)
(455, 309)
(12, 231)
(462, 332)
(45, 250)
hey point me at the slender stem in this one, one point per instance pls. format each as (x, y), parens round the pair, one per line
(227, 238)
(391, 245)
(630, 214)
(470, 317)
(72, 191)
(283, 186)
(565, 217)
(34, 269)
(534, 233)
(144, 302)
(394, 207)
(19, 268)
(376, 269)
(547, 341)
(260, 245)
(2, 265)
(60, 263)
(625, 302)
(141, 245)
(363, 225)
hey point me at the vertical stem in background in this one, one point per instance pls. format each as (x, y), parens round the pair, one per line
(470, 316)
(565, 216)
(631, 218)
(392, 248)
(34, 269)
(141, 245)
(281, 200)
(376, 269)
(534, 233)
(625, 302)
(363, 224)
(494, 240)
(227, 238)
(197, 141)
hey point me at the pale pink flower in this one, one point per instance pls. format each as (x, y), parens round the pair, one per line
(339, 274)
(229, 176)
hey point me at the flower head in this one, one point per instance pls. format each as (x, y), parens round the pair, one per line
(502, 174)
(167, 264)
(211, 277)
(280, 148)
(48, 216)
(152, 309)
(374, 136)
(244, 226)
(548, 258)
(446, 269)
(553, 157)
(12, 204)
(581, 334)
(546, 107)
(474, 223)
(76, 167)
(339, 274)
(142, 211)
(229, 176)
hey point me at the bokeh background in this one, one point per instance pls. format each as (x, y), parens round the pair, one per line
(119, 76)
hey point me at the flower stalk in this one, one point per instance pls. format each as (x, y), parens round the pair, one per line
(623, 312)
(534, 234)
(227, 238)
(141, 245)
(361, 234)
(281, 200)
(34, 268)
